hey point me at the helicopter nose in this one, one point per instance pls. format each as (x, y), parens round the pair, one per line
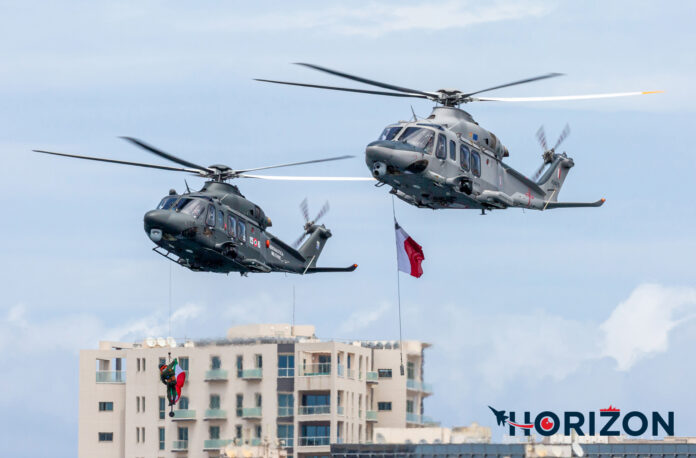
(395, 155)
(159, 222)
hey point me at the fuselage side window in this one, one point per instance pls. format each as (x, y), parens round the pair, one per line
(464, 156)
(389, 133)
(220, 220)
(441, 151)
(476, 163)
(241, 231)
(231, 226)
(194, 208)
(453, 150)
(210, 220)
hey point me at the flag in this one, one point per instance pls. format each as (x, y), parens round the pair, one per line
(174, 377)
(409, 254)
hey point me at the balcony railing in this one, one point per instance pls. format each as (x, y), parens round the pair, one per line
(251, 412)
(215, 414)
(215, 374)
(416, 385)
(371, 415)
(251, 374)
(350, 373)
(340, 410)
(314, 441)
(255, 442)
(111, 376)
(340, 370)
(216, 444)
(313, 410)
(183, 414)
(285, 411)
(372, 377)
(310, 370)
(413, 418)
(180, 445)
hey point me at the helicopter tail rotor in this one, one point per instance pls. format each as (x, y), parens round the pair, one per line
(548, 154)
(310, 225)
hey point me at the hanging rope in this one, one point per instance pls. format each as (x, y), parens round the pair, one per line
(170, 300)
(398, 295)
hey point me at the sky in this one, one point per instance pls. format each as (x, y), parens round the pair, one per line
(570, 309)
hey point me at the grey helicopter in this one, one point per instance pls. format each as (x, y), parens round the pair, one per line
(217, 229)
(448, 161)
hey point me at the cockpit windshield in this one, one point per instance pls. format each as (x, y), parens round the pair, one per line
(389, 133)
(193, 207)
(419, 137)
(166, 203)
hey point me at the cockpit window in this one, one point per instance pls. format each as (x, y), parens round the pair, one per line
(210, 220)
(453, 150)
(241, 231)
(389, 133)
(441, 151)
(419, 137)
(195, 207)
(181, 203)
(220, 219)
(464, 156)
(231, 226)
(476, 163)
(166, 203)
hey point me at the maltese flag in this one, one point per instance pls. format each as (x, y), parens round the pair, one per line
(409, 254)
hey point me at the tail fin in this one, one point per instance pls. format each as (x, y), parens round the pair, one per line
(554, 176)
(311, 249)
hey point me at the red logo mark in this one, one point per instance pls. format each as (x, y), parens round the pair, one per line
(546, 424)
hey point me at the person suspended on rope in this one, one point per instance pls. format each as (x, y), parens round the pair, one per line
(173, 378)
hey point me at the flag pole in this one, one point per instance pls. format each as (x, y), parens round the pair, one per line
(398, 295)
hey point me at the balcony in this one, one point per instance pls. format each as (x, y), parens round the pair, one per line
(184, 415)
(416, 385)
(313, 410)
(284, 411)
(255, 442)
(371, 415)
(372, 377)
(214, 375)
(312, 370)
(111, 377)
(314, 441)
(252, 374)
(215, 414)
(216, 444)
(179, 446)
(251, 412)
(340, 410)
(413, 418)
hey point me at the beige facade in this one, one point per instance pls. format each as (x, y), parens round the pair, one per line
(265, 385)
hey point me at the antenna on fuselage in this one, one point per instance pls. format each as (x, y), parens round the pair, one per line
(415, 118)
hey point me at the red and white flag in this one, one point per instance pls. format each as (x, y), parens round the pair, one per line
(409, 254)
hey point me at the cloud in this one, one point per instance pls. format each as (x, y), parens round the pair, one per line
(639, 326)
(363, 318)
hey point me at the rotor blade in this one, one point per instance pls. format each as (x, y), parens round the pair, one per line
(541, 136)
(305, 209)
(291, 164)
(367, 81)
(324, 210)
(293, 178)
(515, 83)
(346, 89)
(563, 136)
(168, 156)
(537, 174)
(297, 242)
(115, 161)
(562, 97)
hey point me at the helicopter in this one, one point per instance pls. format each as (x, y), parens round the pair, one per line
(448, 161)
(217, 229)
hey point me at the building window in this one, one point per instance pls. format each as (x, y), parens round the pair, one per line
(258, 399)
(286, 365)
(384, 373)
(238, 432)
(144, 365)
(214, 401)
(214, 432)
(259, 361)
(137, 403)
(106, 406)
(161, 438)
(285, 404)
(137, 360)
(240, 404)
(410, 370)
(215, 362)
(162, 362)
(142, 403)
(162, 407)
(184, 363)
(312, 435)
(285, 435)
(240, 365)
(183, 403)
(106, 437)
(409, 406)
(384, 406)
(257, 431)
(183, 433)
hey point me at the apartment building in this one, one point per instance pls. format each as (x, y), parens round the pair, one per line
(265, 385)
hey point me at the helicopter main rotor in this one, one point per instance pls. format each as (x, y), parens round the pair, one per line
(216, 172)
(445, 97)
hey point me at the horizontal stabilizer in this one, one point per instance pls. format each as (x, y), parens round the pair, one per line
(551, 205)
(313, 270)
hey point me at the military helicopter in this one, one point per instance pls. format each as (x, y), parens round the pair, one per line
(218, 230)
(448, 161)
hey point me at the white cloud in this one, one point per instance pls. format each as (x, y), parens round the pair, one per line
(363, 318)
(639, 327)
